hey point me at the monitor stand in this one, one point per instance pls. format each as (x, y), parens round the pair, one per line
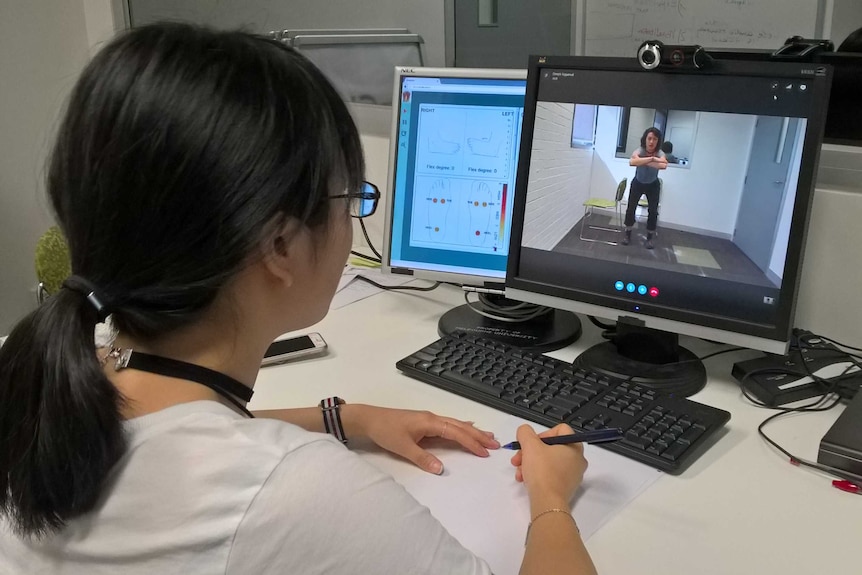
(554, 329)
(649, 357)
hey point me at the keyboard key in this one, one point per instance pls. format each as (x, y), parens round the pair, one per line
(472, 383)
(636, 442)
(557, 413)
(691, 434)
(675, 451)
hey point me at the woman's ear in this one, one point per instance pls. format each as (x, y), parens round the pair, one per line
(281, 250)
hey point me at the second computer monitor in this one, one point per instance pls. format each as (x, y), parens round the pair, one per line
(453, 161)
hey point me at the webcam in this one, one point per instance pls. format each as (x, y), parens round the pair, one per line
(654, 54)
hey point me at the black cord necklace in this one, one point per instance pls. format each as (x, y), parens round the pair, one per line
(226, 386)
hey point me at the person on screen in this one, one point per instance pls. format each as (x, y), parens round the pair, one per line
(648, 159)
(205, 181)
(667, 148)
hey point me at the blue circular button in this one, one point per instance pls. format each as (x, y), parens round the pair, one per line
(630, 287)
(642, 289)
(620, 286)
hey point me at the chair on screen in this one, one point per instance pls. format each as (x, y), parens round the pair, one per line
(614, 206)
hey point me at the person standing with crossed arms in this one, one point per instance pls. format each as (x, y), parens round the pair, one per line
(648, 159)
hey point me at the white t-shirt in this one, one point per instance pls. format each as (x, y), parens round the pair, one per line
(204, 490)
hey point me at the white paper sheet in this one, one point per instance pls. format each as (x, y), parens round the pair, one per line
(480, 503)
(351, 290)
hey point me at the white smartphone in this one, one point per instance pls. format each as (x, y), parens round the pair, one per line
(284, 350)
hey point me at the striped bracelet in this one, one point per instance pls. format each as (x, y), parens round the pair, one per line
(331, 407)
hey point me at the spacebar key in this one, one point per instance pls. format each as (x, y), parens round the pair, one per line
(471, 383)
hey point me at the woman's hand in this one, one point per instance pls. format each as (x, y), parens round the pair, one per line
(400, 431)
(552, 473)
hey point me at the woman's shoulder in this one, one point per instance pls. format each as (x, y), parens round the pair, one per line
(208, 427)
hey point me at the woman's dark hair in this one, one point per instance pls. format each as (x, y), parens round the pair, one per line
(648, 131)
(180, 146)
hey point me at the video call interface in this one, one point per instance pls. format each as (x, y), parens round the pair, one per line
(456, 162)
(714, 236)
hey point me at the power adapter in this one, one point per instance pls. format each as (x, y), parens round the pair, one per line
(780, 379)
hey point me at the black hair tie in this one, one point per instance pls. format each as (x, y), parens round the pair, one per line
(90, 293)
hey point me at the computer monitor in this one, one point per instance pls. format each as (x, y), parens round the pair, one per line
(453, 162)
(844, 116)
(716, 253)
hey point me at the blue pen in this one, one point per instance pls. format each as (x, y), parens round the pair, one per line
(599, 435)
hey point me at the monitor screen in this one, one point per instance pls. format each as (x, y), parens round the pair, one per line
(677, 200)
(453, 161)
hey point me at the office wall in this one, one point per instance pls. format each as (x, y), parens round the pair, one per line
(831, 271)
(99, 19)
(43, 46)
(846, 18)
(534, 27)
(559, 178)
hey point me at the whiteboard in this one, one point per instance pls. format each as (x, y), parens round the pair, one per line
(618, 27)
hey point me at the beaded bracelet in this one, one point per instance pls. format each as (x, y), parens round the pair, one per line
(545, 512)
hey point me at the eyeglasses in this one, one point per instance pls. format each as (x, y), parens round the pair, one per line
(364, 202)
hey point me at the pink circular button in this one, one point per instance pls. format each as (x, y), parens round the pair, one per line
(653, 291)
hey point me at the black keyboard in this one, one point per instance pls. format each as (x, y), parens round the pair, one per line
(665, 432)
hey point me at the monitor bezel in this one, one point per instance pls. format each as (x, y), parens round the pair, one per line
(772, 338)
(402, 72)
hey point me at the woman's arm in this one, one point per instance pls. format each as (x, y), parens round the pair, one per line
(636, 160)
(396, 430)
(659, 163)
(554, 545)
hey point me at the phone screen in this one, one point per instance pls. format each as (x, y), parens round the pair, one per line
(289, 346)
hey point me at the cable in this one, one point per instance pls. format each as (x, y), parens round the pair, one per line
(720, 352)
(365, 257)
(367, 239)
(398, 288)
(828, 400)
(839, 344)
(518, 312)
(600, 324)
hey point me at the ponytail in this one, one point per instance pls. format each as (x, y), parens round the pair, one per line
(60, 426)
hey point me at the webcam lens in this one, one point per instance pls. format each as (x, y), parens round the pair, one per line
(649, 54)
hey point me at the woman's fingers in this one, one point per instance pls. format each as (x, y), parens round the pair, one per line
(474, 440)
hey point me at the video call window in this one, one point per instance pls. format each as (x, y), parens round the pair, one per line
(727, 216)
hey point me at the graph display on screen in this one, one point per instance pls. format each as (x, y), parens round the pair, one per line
(455, 160)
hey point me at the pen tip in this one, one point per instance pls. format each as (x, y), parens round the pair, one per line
(508, 446)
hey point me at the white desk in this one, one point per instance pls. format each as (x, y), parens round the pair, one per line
(741, 508)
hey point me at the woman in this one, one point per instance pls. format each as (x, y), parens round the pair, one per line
(648, 159)
(205, 181)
